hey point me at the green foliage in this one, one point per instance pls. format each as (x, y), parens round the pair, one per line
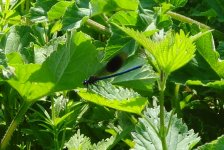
(34, 81)
(48, 48)
(170, 53)
(102, 6)
(206, 48)
(218, 8)
(147, 134)
(78, 142)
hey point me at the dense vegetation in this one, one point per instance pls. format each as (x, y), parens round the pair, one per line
(175, 101)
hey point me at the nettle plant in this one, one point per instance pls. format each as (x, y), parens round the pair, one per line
(46, 56)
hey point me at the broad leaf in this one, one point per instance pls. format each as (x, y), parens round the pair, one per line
(19, 40)
(58, 10)
(64, 69)
(74, 17)
(104, 6)
(146, 135)
(205, 46)
(120, 42)
(38, 13)
(196, 69)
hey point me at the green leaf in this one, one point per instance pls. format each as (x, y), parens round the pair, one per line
(142, 79)
(215, 84)
(114, 97)
(175, 3)
(196, 69)
(78, 142)
(128, 18)
(74, 17)
(38, 13)
(217, 144)
(28, 87)
(205, 46)
(65, 69)
(14, 58)
(58, 10)
(178, 3)
(146, 135)
(104, 144)
(120, 42)
(104, 6)
(19, 40)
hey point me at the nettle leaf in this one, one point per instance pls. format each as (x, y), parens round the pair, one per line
(215, 84)
(106, 94)
(60, 103)
(217, 144)
(64, 69)
(79, 142)
(142, 79)
(103, 6)
(205, 46)
(74, 17)
(104, 144)
(146, 135)
(170, 53)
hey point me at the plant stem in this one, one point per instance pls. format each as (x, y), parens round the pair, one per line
(185, 19)
(162, 86)
(177, 100)
(15, 122)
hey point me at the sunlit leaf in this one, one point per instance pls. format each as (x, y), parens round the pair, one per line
(114, 97)
(205, 46)
(64, 69)
(58, 10)
(103, 6)
(170, 53)
(78, 142)
(217, 144)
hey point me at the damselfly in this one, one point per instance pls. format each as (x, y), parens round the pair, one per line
(94, 79)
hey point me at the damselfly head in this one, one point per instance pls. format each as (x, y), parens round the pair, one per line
(90, 80)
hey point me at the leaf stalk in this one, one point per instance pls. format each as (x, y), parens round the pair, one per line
(15, 122)
(162, 86)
